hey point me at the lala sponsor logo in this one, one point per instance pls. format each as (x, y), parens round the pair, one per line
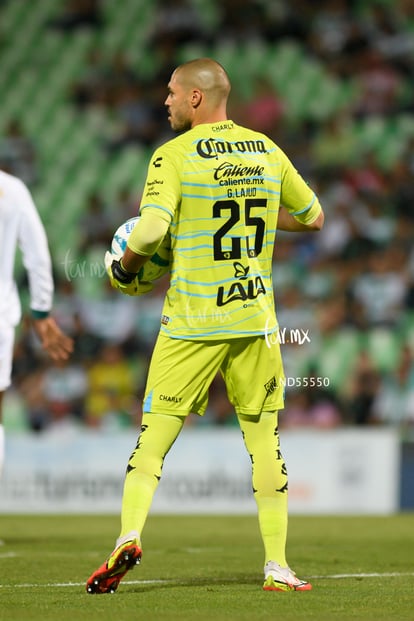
(250, 289)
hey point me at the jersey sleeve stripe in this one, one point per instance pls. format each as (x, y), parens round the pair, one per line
(160, 207)
(297, 213)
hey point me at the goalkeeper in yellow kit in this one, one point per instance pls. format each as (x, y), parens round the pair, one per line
(221, 190)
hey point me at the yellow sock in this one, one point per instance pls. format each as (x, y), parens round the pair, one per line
(273, 527)
(269, 479)
(158, 433)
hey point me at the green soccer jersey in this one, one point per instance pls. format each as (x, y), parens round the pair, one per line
(221, 184)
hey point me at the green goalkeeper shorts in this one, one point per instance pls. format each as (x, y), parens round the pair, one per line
(181, 372)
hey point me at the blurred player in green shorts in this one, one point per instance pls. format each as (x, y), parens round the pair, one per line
(221, 190)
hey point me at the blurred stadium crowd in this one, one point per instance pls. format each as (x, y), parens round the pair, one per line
(331, 81)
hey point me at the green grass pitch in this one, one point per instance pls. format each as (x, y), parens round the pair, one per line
(207, 568)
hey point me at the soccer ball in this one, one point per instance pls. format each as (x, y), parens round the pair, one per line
(158, 264)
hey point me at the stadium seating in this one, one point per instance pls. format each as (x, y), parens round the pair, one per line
(39, 68)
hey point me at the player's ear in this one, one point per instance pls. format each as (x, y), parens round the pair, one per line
(196, 97)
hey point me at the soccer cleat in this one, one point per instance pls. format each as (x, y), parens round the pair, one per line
(279, 578)
(107, 578)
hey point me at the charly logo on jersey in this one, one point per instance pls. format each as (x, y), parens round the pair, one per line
(170, 398)
(211, 148)
(270, 386)
(249, 289)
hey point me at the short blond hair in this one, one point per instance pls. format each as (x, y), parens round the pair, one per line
(208, 76)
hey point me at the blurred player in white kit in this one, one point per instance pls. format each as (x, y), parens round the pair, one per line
(21, 226)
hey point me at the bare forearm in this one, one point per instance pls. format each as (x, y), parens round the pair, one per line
(132, 262)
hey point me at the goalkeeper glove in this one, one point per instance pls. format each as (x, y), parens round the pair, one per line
(126, 282)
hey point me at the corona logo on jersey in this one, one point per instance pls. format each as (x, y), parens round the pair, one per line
(209, 147)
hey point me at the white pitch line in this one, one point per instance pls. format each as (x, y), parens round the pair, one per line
(75, 584)
(394, 574)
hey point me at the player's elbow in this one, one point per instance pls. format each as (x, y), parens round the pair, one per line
(318, 223)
